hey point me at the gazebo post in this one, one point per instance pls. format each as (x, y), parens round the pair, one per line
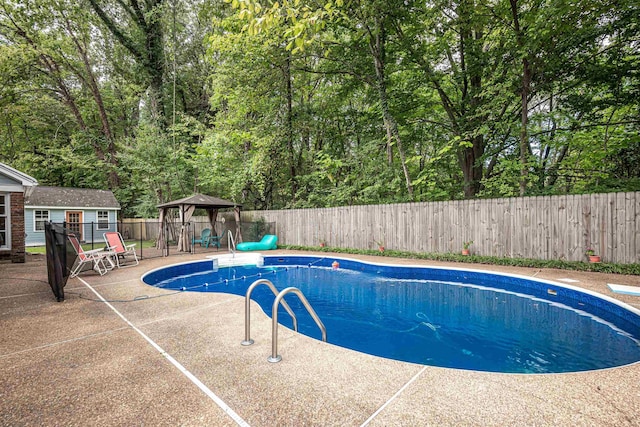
(165, 241)
(183, 246)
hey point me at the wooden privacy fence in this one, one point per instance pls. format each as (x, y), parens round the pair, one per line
(548, 227)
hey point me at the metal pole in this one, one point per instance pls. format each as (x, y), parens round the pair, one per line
(247, 309)
(275, 357)
(140, 239)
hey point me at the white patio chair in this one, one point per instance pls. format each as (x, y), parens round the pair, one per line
(94, 257)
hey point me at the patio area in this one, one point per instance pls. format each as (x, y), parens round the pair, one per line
(158, 357)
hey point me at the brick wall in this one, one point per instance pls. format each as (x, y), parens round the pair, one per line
(17, 227)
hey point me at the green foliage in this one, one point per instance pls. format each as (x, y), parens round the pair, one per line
(504, 180)
(159, 166)
(312, 104)
(257, 230)
(629, 269)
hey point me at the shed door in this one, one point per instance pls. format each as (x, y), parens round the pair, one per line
(74, 223)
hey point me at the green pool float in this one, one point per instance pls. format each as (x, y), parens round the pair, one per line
(268, 242)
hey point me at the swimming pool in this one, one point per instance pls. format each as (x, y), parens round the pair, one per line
(456, 318)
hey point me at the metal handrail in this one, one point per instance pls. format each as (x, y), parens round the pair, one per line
(231, 244)
(275, 357)
(247, 309)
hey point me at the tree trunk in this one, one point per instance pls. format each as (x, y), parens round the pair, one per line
(524, 122)
(524, 94)
(92, 84)
(111, 158)
(289, 127)
(376, 44)
(471, 165)
(470, 155)
(147, 50)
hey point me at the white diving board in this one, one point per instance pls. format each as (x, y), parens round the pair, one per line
(627, 290)
(231, 260)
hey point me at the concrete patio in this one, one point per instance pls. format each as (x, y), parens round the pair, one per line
(149, 359)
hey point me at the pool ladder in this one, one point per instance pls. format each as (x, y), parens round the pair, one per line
(275, 357)
(231, 243)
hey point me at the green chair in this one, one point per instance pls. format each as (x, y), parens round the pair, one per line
(215, 240)
(205, 238)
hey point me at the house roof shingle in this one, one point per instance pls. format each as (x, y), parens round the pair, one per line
(70, 198)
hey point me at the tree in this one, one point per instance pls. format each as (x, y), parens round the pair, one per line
(137, 25)
(303, 104)
(54, 35)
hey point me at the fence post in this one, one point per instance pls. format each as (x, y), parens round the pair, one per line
(140, 239)
(92, 239)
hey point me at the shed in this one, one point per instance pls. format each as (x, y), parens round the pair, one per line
(88, 213)
(13, 185)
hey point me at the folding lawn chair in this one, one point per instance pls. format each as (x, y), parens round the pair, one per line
(118, 249)
(94, 257)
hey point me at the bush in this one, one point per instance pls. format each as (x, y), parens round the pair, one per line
(630, 269)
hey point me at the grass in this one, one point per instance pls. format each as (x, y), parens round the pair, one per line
(604, 267)
(86, 246)
(36, 249)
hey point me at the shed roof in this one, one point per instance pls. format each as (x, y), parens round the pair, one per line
(201, 201)
(67, 197)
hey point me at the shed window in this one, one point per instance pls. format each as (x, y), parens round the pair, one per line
(39, 218)
(103, 220)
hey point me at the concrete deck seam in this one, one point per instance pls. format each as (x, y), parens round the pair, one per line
(25, 295)
(110, 283)
(53, 344)
(394, 397)
(230, 412)
(177, 313)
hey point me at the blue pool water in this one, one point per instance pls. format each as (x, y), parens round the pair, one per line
(450, 318)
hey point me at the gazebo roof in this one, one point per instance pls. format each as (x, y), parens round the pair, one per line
(201, 201)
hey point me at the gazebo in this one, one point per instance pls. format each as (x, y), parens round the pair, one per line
(186, 207)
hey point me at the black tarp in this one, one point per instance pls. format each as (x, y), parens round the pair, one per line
(60, 258)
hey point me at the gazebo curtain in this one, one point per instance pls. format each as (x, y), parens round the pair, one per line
(186, 208)
(238, 237)
(161, 243)
(213, 214)
(186, 212)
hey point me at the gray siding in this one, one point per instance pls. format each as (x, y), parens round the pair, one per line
(5, 180)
